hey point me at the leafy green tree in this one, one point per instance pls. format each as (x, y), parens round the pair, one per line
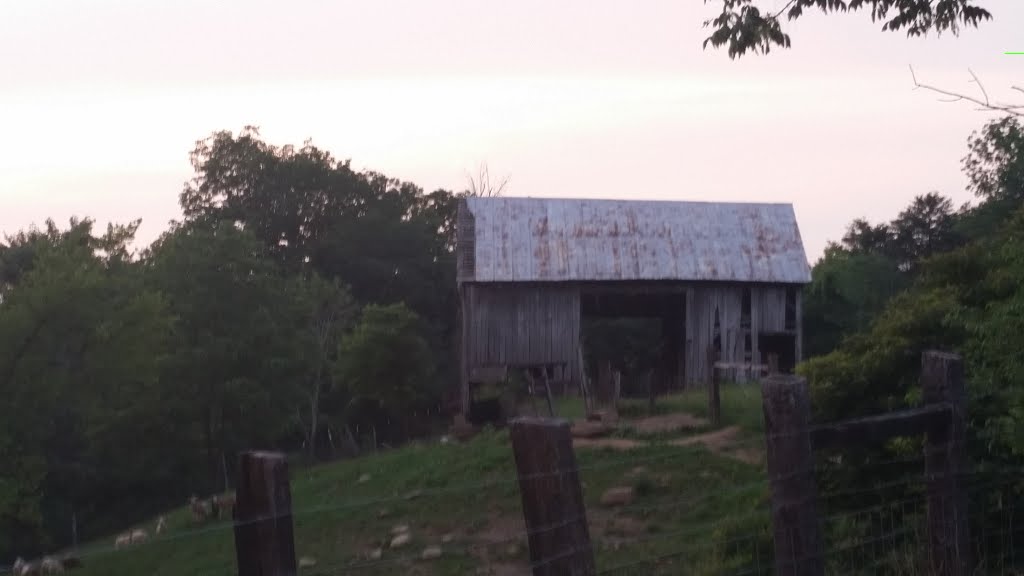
(744, 27)
(81, 344)
(386, 360)
(329, 312)
(926, 227)
(383, 238)
(995, 163)
(235, 366)
(848, 290)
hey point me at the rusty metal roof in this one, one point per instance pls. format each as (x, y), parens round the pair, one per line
(558, 240)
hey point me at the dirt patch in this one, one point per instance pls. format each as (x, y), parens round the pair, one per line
(724, 442)
(751, 456)
(716, 441)
(505, 570)
(502, 529)
(667, 423)
(584, 429)
(613, 443)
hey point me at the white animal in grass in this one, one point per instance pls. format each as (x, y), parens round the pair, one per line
(51, 565)
(138, 536)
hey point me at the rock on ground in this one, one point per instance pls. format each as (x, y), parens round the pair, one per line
(431, 552)
(618, 496)
(401, 540)
(307, 562)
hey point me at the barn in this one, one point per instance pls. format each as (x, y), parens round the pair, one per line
(724, 279)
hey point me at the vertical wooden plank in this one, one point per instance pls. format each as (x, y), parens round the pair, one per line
(942, 381)
(463, 324)
(796, 533)
(755, 323)
(714, 398)
(693, 350)
(264, 540)
(552, 498)
(799, 325)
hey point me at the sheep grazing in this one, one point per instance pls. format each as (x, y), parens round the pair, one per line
(138, 536)
(161, 525)
(51, 565)
(22, 568)
(123, 540)
(201, 510)
(223, 506)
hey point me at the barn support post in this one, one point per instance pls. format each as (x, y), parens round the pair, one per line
(795, 529)
(714, 395)
(942, 382)
(552, 498)
(264, 541)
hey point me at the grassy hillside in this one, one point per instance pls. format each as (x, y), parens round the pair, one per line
(699, 511)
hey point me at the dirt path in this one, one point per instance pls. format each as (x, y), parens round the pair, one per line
(613, 443)
(725, 441)
(666, 424)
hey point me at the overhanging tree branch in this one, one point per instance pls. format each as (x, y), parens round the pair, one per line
(985, 103)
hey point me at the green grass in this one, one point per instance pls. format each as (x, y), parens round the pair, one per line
(699, 512)
(741, 406)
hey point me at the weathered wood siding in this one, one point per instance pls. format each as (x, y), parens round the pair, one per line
(524, 325)
(465, 243)
(520, 325)
(767, 314)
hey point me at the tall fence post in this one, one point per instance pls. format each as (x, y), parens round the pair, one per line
(942, 381)
(264, 541)
(552, 498)
(795, 529)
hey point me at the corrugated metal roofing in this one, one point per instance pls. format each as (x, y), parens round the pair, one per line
(548, 239)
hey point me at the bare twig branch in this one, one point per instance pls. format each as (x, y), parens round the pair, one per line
(980, 85)
(985, 103)
(482, 185)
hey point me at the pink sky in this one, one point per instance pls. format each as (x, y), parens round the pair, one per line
(101, 101)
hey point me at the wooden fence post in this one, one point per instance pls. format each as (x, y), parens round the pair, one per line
(714, 397)
(795, 529)
(264, 542)
(942, 381)
(552, 499)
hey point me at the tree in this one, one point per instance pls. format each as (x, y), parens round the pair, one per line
(236, 363)
(386, 360)
(995, 162)
(847, 292)
(744, 27)
(81, 348)
(924, 228)
(382, 237)
(329, 313)
(863, 237)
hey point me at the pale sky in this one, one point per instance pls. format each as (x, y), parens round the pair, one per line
(101, 101)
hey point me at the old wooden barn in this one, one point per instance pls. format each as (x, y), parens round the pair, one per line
(724, 278)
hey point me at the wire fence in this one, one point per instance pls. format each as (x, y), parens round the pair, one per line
(659, 533)
(686, 510)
